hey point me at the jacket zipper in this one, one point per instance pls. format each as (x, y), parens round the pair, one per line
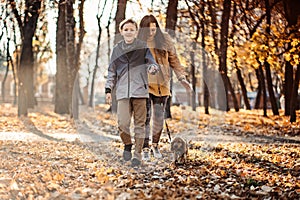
(145, 85)
(128, 69)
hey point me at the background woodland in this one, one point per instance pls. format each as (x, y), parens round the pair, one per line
(253, 46)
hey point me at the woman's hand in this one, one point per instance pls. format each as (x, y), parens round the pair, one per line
(187, 85)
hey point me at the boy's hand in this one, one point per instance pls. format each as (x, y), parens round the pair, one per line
(108, 98)
(153, 69)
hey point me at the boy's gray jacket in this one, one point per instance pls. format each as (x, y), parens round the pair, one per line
(129, 74)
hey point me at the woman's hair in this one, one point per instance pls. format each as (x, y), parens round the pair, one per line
(144, 31)
(127, 21)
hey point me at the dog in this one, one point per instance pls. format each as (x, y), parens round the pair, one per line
(179, 147)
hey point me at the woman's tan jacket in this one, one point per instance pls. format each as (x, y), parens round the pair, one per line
(166, 58)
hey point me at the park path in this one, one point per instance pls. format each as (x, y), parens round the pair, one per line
(100, 126)
(86, 136)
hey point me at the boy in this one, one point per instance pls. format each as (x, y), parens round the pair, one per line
(130, 61)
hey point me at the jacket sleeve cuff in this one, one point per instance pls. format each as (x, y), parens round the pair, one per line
(107, 90)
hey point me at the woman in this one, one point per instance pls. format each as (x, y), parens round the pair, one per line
(163, 50)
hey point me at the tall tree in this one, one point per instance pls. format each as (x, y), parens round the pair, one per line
(8, 60)
(75, 74)
(204, 62)
(68, 58)
(267, 64)
(70, 50)
(25, 69)
(294, 99)
(199, 24)
(171, 20)
(99, 17)
(292, 14)
(223, 55)
(62, 82)
(196, 26)
(263, 86)
(235, 24)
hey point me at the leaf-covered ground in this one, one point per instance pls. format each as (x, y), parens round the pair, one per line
(231, 156)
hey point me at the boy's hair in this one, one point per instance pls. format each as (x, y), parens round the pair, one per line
(127, 21)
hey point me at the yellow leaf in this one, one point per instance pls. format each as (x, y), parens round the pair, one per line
(47, 177)
(287, 56)
(109, 170)
(58, 177)
(247, 127)
(295, 42)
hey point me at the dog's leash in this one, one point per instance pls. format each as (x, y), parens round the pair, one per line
(167, 126)
(164, 108)
(168, 130)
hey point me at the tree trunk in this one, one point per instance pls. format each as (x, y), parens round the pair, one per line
(14, 66)
(238, 71)
(25, 71)
(193, 73)
(113, 107)
(3, 83)
(99, 17)
(292, 13)
(243, 88)
(231, 89)
(75, 98)
(62, 82)
(171, 20)
(204, 66)
(92, 94)
(214, 24)
(294, 100)
(120, 16)
(263, 85)
(288, 83)
(272, 97)
(259, 90)
(223, 55)
(70, 52)
(76, 90)
(219, 90)
(250, 81)
(8, 61)
(267, 65)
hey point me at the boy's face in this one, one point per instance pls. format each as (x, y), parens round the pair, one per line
(129, 32)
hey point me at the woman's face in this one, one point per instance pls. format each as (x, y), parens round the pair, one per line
(129, 32)
(152, 31)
